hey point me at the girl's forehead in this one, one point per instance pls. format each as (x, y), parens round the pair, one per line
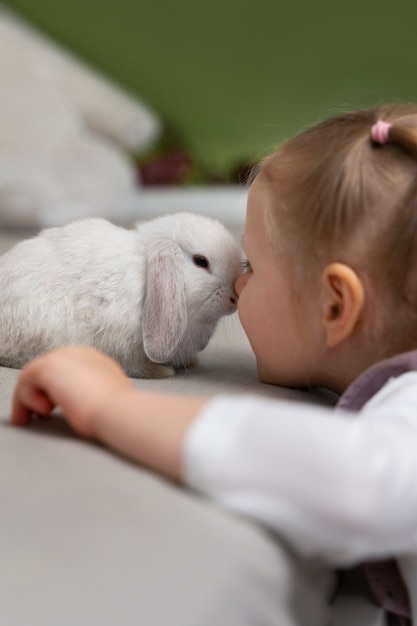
(263, 205)
(266, 218)
(259, 232)
(258, 198)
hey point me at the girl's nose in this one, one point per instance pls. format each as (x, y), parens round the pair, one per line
(241, 282)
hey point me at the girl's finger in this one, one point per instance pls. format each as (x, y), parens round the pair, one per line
(27, 401)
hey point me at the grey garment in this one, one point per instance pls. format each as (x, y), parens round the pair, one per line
(383, 577)
(374, 378)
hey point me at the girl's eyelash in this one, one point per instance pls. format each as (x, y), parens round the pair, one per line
(246, 266)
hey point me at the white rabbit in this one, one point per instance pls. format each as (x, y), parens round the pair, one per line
(149, 297)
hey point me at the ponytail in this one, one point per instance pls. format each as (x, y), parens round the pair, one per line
(401, 131)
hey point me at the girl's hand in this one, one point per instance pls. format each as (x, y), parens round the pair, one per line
(81, 381)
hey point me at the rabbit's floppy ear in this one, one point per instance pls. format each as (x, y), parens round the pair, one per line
(164, 308)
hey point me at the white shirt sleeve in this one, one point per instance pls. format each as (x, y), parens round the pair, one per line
(335, 485)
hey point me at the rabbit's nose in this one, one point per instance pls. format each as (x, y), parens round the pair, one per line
(234, 297)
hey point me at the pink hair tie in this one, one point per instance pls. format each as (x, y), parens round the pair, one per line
(379, 131)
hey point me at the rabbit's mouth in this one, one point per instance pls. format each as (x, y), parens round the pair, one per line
(226, 303)
(232, 306)
(216, 305)
(228, 306)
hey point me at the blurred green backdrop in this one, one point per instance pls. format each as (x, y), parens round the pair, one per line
(235, 77)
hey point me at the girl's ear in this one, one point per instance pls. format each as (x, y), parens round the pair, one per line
(343, 302)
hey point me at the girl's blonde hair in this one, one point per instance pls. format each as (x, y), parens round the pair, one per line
(341, 196)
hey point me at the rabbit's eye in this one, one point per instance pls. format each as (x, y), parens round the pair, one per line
(201, 261)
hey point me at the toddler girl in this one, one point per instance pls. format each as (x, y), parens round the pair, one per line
(328, 299)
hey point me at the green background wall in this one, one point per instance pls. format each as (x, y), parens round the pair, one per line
(238, 77)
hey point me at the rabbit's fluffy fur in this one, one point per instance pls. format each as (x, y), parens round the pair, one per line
(141, 296)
